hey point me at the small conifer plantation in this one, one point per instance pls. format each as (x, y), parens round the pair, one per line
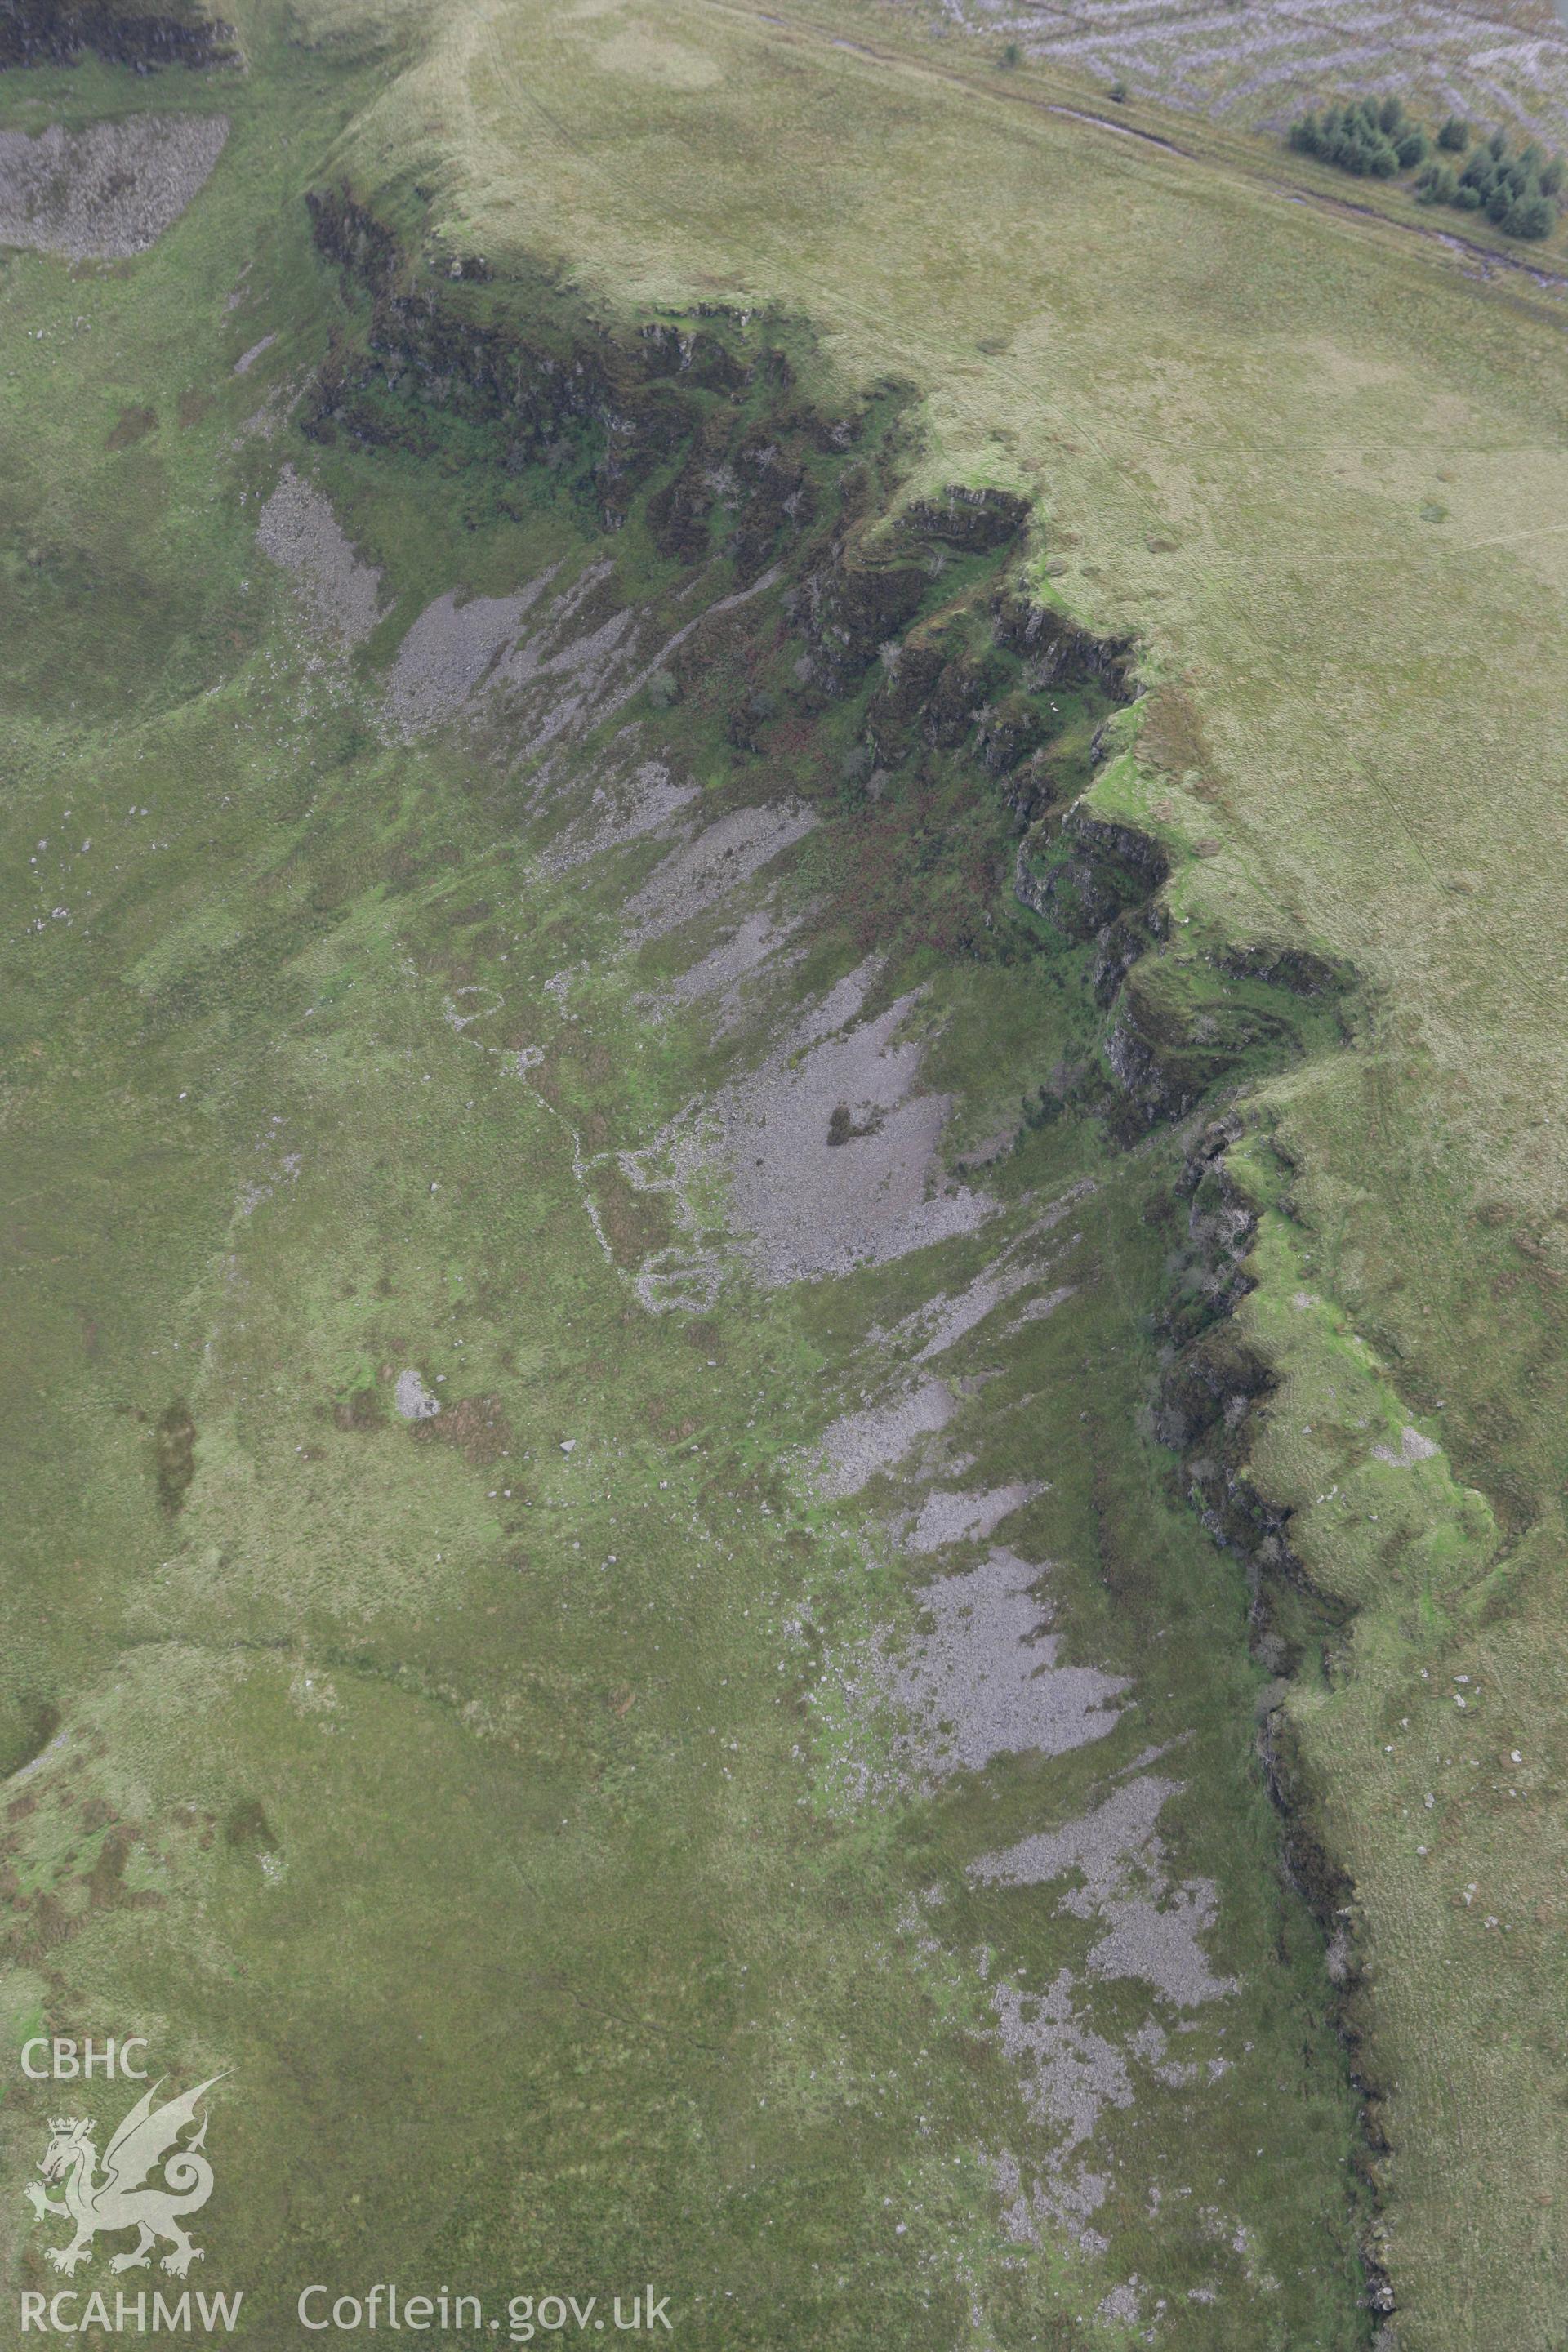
(1374, 139)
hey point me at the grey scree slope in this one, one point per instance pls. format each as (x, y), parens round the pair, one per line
(111, 190)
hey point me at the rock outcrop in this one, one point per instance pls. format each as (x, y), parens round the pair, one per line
(62, 32)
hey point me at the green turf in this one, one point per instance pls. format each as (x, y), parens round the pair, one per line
(379, 1786)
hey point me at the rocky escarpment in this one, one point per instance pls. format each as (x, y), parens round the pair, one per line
(1211, 1387)
(1214, 1378)
(900, 673)
(1171, 1039)
(1102, 884)
(896, 643)
(1183, 1024)
(955, 680)
(988, 708)
(62, 32)
(947, 679)
(602, 412)
(1061, 652)
(698, 426)
(1180, 1025)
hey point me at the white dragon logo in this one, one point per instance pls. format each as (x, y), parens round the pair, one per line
(121, 2198)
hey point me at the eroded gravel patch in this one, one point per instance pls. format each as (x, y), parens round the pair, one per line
(943, 1321)
(412, 1400)
(857, 1445)
(1067, 2072)
(742, 954)
(449, 652)
(108, 191)
(1153, 1930)
(810, 1207)
(338, 594)
(1160, 1943)
(982, 1680)
(704, 870)
(247, 359)
(1411, 1448)
(585, 661)
(1098, 1846)
(950, 1516)
(621, 810)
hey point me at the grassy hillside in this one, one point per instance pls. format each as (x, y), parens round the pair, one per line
(1319, 469)
(501, 1794)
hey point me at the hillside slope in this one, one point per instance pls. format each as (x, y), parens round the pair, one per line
(784, 897)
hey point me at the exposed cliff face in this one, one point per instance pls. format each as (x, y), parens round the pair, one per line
(849, 608)
(1179, 1030)
(966, 703)
(968, 688)
(977, 694)
(617, 409)
(1062, 651)
(981, 698)
(1100, 871)
(902, 622)
(61, 32)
